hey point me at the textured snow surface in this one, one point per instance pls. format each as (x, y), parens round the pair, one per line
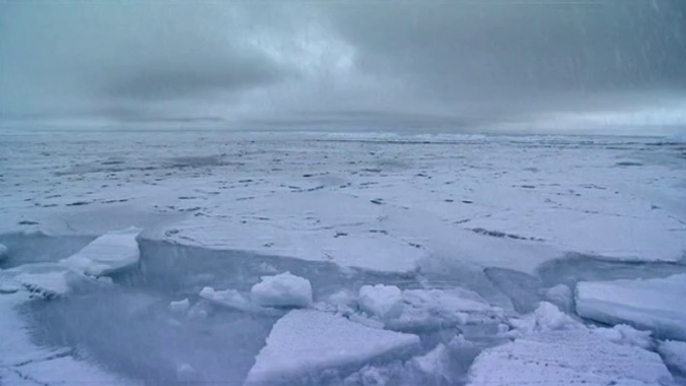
(282, 290)
(401, 200)
(305, 343)
(112, 252)
(658, 305)
(567, 357)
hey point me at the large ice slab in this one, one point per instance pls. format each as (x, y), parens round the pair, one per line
(658, 305)
(304, 343)
(567, 357)
(109, 253)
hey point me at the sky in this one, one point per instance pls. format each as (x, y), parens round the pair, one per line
(452, 65)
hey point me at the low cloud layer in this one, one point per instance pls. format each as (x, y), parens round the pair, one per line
(414, 64)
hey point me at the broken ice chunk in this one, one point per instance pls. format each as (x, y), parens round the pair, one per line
(624, 334)
(658, 305)
(109, 253)
(382, 301)
(547, 317)
(229, 298)
(282, 290)
(180, 306)
(305, 343)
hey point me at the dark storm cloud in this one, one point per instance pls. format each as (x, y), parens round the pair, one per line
(161, 81)
(465, 49)
(412, 63)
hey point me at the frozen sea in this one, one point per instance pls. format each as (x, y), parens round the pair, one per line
(159, 257)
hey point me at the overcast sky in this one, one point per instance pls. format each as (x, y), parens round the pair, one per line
(420, 63)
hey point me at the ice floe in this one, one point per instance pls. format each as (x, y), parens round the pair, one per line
(109, 253)
(306, 343)
(565, 357)
(658, 305)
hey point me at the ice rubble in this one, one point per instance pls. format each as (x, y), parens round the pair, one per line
(551, 348)
(282, 290)
(625, 334)
(658, 305)
(109, 253)
(422, 309)
(305, 343)
(228, 298)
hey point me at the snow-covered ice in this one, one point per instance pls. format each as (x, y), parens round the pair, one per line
(110, 253)
(658, 305)
(304, 343)
(567, 357)
(282, 290)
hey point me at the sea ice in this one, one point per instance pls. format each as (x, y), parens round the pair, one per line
(566, 357)
(282, 290)
(109, 253)
(658, 305)
(305, 343)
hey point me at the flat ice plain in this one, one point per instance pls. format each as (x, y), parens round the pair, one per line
(470, 247)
